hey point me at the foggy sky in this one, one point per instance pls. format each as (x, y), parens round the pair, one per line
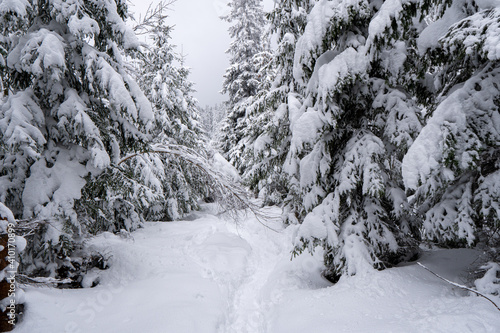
(203, 38)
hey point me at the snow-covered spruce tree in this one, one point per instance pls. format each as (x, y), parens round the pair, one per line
(356, 122)
(207, 119)
(164, 79)
(262, 151)
(241, 154)
(241, 79)
(454, 164)
(70, 111)
(211, 118)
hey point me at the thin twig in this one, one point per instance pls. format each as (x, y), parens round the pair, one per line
(459, 285)
(41, 281)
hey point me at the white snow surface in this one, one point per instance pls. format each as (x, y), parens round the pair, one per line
(47, 189)
(14, 6)
(6, 217)
(483, 30)
(430, 36)
(213, 275)
(318, 21)
(454, 115)
(389, 10)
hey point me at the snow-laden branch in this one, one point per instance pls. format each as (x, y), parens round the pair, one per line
(231, 197)
(459, 285)
(41, 281)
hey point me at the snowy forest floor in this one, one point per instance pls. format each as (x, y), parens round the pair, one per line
(208, 274)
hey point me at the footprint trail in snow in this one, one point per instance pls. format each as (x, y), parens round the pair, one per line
(210, 275)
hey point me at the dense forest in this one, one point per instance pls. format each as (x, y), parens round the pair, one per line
(374, 126)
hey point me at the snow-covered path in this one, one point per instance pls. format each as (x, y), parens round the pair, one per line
(212, 275)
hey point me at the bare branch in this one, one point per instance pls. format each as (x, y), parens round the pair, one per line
(459, 285)
(152, 17)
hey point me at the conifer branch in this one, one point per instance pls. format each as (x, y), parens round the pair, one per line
(230, 196)
(153, 15)
(459, 285)
(26, 228)
(41, 281)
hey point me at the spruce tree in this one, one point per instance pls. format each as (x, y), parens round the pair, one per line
(453, 166)
(351, 132)
(211, 119)
(241, 79)
(164, 79)
(260, 154)
(69, 113)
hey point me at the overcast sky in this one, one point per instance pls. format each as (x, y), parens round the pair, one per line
(203, 37)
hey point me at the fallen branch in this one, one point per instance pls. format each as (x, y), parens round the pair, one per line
(459, 285)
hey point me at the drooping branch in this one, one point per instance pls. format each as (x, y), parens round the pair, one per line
(41, 281)
(231, 197)
(29, 227)
(459, 285)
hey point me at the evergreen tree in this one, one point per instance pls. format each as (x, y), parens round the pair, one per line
(260, 154)
(211, 118)
(454, 163)
(207, 117)
(69, 113)
(349, 135)
(248, 21)
(165, 81)
(241, 78)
